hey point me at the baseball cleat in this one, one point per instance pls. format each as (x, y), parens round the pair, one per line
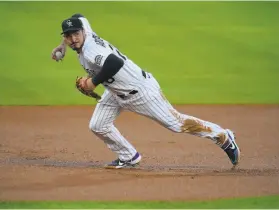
(232, 149)
(117, 164)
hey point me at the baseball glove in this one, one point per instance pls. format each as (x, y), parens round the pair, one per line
(89, 93)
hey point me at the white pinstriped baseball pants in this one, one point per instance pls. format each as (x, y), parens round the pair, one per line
(150, 102)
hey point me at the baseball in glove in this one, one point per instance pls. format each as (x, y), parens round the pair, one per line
(89, 93)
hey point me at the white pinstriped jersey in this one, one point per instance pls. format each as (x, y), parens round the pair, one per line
(86, 26)
(148, 100)
(94, 53)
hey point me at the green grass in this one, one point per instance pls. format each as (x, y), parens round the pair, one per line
(269, 202)
(200, 52)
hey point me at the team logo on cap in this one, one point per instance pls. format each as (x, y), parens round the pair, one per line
(69, 23)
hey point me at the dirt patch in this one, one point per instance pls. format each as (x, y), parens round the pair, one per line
(48, 153)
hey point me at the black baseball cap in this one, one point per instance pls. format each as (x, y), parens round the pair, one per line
(71, 25)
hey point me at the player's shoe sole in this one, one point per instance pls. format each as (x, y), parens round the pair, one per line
(232, 149)
(118, 164)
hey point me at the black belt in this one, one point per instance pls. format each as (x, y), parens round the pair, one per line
(133, 92)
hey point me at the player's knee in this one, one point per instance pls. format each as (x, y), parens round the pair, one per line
(98, 128)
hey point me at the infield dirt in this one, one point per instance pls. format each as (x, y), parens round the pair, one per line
(49, 153)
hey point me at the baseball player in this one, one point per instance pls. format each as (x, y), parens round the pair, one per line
(129, 87)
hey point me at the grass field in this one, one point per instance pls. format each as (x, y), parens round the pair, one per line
(201, 52)
(270, 202)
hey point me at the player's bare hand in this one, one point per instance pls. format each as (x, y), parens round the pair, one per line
(86, 83)
(58, 53)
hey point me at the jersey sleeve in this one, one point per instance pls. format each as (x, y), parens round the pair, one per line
(86, 26)
(97, 54)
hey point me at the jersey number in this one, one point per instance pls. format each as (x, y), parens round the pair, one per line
(113, 48)
(111, 80)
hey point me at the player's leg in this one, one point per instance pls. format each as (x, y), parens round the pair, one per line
(222, 137)
(101, 124)
(157, 107)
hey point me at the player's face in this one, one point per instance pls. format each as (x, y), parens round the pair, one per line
(75, 40)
